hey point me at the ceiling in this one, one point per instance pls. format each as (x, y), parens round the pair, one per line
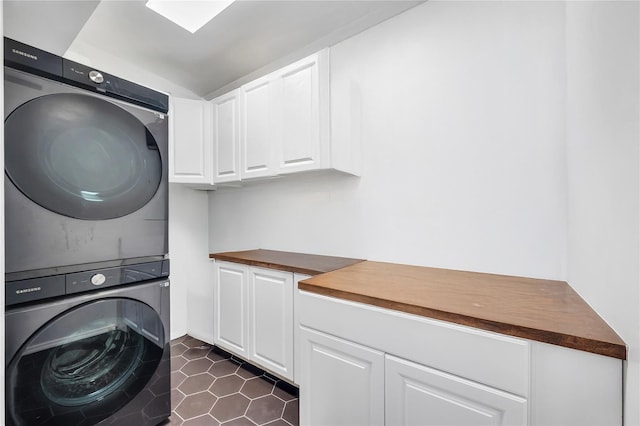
(247, 37)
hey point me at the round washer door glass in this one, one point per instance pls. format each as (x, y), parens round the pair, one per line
(85, 365)
(81, 156)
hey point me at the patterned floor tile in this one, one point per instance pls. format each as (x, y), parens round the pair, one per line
(210, 387)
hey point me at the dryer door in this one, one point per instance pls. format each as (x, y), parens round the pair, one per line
(85, 365)
(81, 156)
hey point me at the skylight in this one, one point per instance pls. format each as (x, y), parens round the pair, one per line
(189, 14)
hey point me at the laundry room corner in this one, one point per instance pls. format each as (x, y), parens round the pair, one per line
(188, 240)
(188, 228)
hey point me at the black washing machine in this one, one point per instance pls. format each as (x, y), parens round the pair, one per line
(95, 358)
(86, 283)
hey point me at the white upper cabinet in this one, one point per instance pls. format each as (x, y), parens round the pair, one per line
(190, 141)
(258, 128)
(278, 124)
(226, 137)
(304, 114)
(285, 119)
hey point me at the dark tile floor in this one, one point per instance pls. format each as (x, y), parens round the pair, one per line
(211, 387)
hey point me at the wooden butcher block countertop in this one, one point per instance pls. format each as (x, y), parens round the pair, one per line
(309, 264)
(542, 310)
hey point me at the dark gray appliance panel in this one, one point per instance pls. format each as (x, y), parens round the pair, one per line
(75, 328)
(40, 239)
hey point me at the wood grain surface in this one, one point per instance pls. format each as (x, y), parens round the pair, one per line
(309, 264)
(542, 310)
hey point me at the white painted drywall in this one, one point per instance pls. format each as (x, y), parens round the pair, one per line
(603, 153)
(191, 270)
(464, 157)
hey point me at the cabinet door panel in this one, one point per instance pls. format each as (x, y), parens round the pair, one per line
(258, 127)
(231, 327)
(341, 383)
(226, 139)
(419, 395)
(271, 322)
(300, 143)
(190, 148)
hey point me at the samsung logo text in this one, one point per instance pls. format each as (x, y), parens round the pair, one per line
(27, 55)
(28, 290)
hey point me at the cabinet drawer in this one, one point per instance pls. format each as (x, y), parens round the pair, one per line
(493, 359)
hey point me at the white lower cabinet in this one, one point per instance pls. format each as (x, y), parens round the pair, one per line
(271, 320)
(345, 383)
(361, 364)
(419, 395)
(341, 383)
(254, 315)
(231, 325)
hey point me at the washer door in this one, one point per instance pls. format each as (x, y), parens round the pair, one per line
(85, 365)
(81, 156)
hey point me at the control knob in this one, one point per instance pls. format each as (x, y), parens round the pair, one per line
(98, 279)
(96, 77)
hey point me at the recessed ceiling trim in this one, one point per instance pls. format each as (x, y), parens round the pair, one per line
(189, 14)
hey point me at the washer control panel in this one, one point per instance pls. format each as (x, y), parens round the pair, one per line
(34, 289)
(89, 280)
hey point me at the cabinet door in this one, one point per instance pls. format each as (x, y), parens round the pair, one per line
(341, 383)
(190, 141)
(419, 395)
(303, 89)
(230, 307)
(271, 320)
(226, 138)
(258, 133)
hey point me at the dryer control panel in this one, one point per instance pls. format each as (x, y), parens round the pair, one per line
(27, 58)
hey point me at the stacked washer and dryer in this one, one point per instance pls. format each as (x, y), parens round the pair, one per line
(86, 284)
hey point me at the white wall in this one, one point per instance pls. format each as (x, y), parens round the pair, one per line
(464, 161)
(191, 286)
(603, 134)
(498, 136)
